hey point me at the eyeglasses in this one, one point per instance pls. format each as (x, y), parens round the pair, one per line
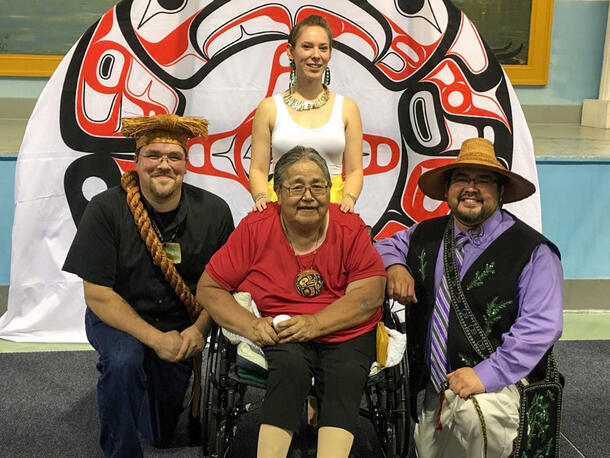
(298, 190)
(158, 157)
(463, 181)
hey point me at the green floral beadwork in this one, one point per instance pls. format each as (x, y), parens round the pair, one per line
(422, 264)
(466, 361)
(493, 313)
(480, 276)
(538, 423)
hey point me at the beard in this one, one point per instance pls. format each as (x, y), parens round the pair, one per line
(163, 190)
(473, 216)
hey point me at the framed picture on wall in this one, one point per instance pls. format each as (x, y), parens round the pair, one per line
(518, 32)
(36, 35)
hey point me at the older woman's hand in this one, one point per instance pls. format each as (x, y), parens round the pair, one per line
(262, 332)
(299, 328)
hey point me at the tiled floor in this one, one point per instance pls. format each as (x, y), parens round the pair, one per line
(11, 132)
(577, 326)
(7, 346)
(550, 140)
(570, 141)
(586, 326)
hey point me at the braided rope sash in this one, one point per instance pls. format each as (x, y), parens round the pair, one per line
(130, 183)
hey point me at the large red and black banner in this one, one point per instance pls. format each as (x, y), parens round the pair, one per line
(421, 74)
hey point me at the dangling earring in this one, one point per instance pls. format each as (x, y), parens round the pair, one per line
(327, 76)
(293, 75)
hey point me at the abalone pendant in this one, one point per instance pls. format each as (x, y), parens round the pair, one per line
(309, 283)
(173, 252)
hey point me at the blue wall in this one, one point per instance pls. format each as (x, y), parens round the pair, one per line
(575, 213)
(575, 210)
(7, 210)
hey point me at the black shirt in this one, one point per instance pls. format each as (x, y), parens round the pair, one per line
(108, 251)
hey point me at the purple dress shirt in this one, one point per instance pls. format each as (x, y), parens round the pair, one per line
(539, 321)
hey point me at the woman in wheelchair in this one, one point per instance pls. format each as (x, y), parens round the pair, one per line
(302, 258)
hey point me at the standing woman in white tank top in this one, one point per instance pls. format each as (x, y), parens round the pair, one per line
(308, 114)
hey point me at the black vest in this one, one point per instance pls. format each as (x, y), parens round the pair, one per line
(490, 287)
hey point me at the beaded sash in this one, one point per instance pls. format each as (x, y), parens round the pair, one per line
(473, 331)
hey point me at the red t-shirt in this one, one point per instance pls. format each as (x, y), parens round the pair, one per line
(258, 259)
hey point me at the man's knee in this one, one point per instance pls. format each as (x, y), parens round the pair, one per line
(126, 362)
(466, 420)
(497, 414)
(461, 417)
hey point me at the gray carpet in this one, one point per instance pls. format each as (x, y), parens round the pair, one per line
(586, 399)
(48, 408)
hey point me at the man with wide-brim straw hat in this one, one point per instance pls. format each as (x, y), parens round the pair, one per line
(140, 249)
(476, 153)
(484, 305)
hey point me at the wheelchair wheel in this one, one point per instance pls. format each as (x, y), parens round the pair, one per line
(209, 411)
(218, 419)
(388, 403)
(398, 428)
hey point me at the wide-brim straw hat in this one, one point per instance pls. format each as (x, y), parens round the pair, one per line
(476, 153)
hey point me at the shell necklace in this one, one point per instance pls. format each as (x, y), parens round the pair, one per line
(304, 105)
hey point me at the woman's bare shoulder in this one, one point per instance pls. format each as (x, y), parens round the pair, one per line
(350, 110)
(267, 103)
(349, 104)
(266, 110)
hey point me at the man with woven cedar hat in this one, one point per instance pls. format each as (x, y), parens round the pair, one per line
(140, 249)
(484, 306)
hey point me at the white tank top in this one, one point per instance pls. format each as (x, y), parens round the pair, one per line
(328, 140)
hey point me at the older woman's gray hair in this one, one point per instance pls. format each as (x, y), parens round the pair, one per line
(297, 154)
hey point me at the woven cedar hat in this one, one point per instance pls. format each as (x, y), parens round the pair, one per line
(164, 128)
(476, 153)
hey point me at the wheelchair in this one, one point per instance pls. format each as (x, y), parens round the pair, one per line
(225, 381)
